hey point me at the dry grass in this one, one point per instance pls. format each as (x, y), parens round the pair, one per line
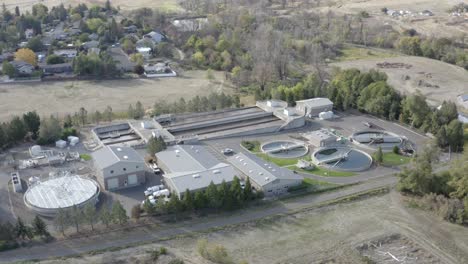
(65, 97)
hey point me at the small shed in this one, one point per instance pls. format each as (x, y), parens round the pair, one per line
(73, 140)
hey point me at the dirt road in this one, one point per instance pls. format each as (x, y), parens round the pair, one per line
(82, 245)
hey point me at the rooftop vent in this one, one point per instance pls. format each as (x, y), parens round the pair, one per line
(267, 179)
(119, 149)
(245, 163)
(196, 176)
(125, 157)
(260, 173)
(250, 171)
(216, 171)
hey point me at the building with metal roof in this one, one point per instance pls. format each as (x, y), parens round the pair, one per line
(119, 167)
(265, 176)
(192, 167)
(314, 106)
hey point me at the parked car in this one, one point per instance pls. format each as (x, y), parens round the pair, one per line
(227, 151)
(161, 193)
(153, 189)
(155, 168)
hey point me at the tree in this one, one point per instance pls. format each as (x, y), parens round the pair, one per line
(379, 156)
(76, 216)
(62, 220)
(49, 130)
(106, 217)
(130, 111)
(35, 44)
(248, 190)
(139, 111)
(119, 215)
(26, 55)
(39, 227)
(16, 129)
(17, 11)
(136, 212)
(32, 121)
(188, 200)
(54, 59)
(83, 115)
(199, 201)
(22, 230)
(90, 214)
(8, 69)
(236, 193)
(213, 197)
(455, 135)
(174, 205)
(137, 58)
(108, 115)
(410, 45)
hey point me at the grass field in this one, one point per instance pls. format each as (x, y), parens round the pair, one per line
(85, 157)
(350, 53)
(60, 98)
(392, 159)
(282, 162)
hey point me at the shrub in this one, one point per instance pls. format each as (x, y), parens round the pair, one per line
(396, 150)
(163, 251)
(136, 212)
(176, 261)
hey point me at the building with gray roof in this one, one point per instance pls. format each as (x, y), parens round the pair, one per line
(119, 167)
(265, 176)
(192, 167)
(314, 106)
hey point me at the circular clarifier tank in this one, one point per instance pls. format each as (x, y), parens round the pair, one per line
(285, 149)
(342, 159)
(47, 197)
(376, 138)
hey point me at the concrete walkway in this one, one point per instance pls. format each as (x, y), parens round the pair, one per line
(139, 235)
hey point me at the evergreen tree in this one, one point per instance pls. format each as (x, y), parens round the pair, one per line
(139, 111)
(225, 195)
(199, 201)
(188, 201)
(236, 193)
(39, 227)
(119, 215)
(32, 121)
(16, 129)
(248, 190)
(108, 115)
(131, 111)
(22, 230)
(174, 205)
(212, 196)
(83, 116)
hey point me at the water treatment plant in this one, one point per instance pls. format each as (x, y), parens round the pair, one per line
(377, 138)
(342, 159)
(285, 149)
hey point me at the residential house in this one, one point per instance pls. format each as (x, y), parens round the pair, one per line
(154, 36)
(57, 68)
(122, 60)
(66, 53)
(29, 33)
(158, 70)
(23, 67)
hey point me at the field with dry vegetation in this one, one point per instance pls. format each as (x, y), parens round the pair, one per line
(377, 229)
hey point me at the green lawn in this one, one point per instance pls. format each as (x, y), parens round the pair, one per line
(350, 53)
(252, 146)
(392, 159)
(281, 162)
(85, 157)
(326, 173)
(312, 184)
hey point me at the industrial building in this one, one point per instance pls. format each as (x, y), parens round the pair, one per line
(264, 176)
(192, 167)
(320, 138)
(119, 167)
(314, 106)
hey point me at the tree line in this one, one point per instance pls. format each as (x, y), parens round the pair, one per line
(445, 193)
(77, 217)
(222, 197)
(214, 101)
(11, 236)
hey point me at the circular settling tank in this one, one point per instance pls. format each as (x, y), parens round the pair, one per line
(46, 197)
(375, 138)
(342, 159)
(285, 149)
